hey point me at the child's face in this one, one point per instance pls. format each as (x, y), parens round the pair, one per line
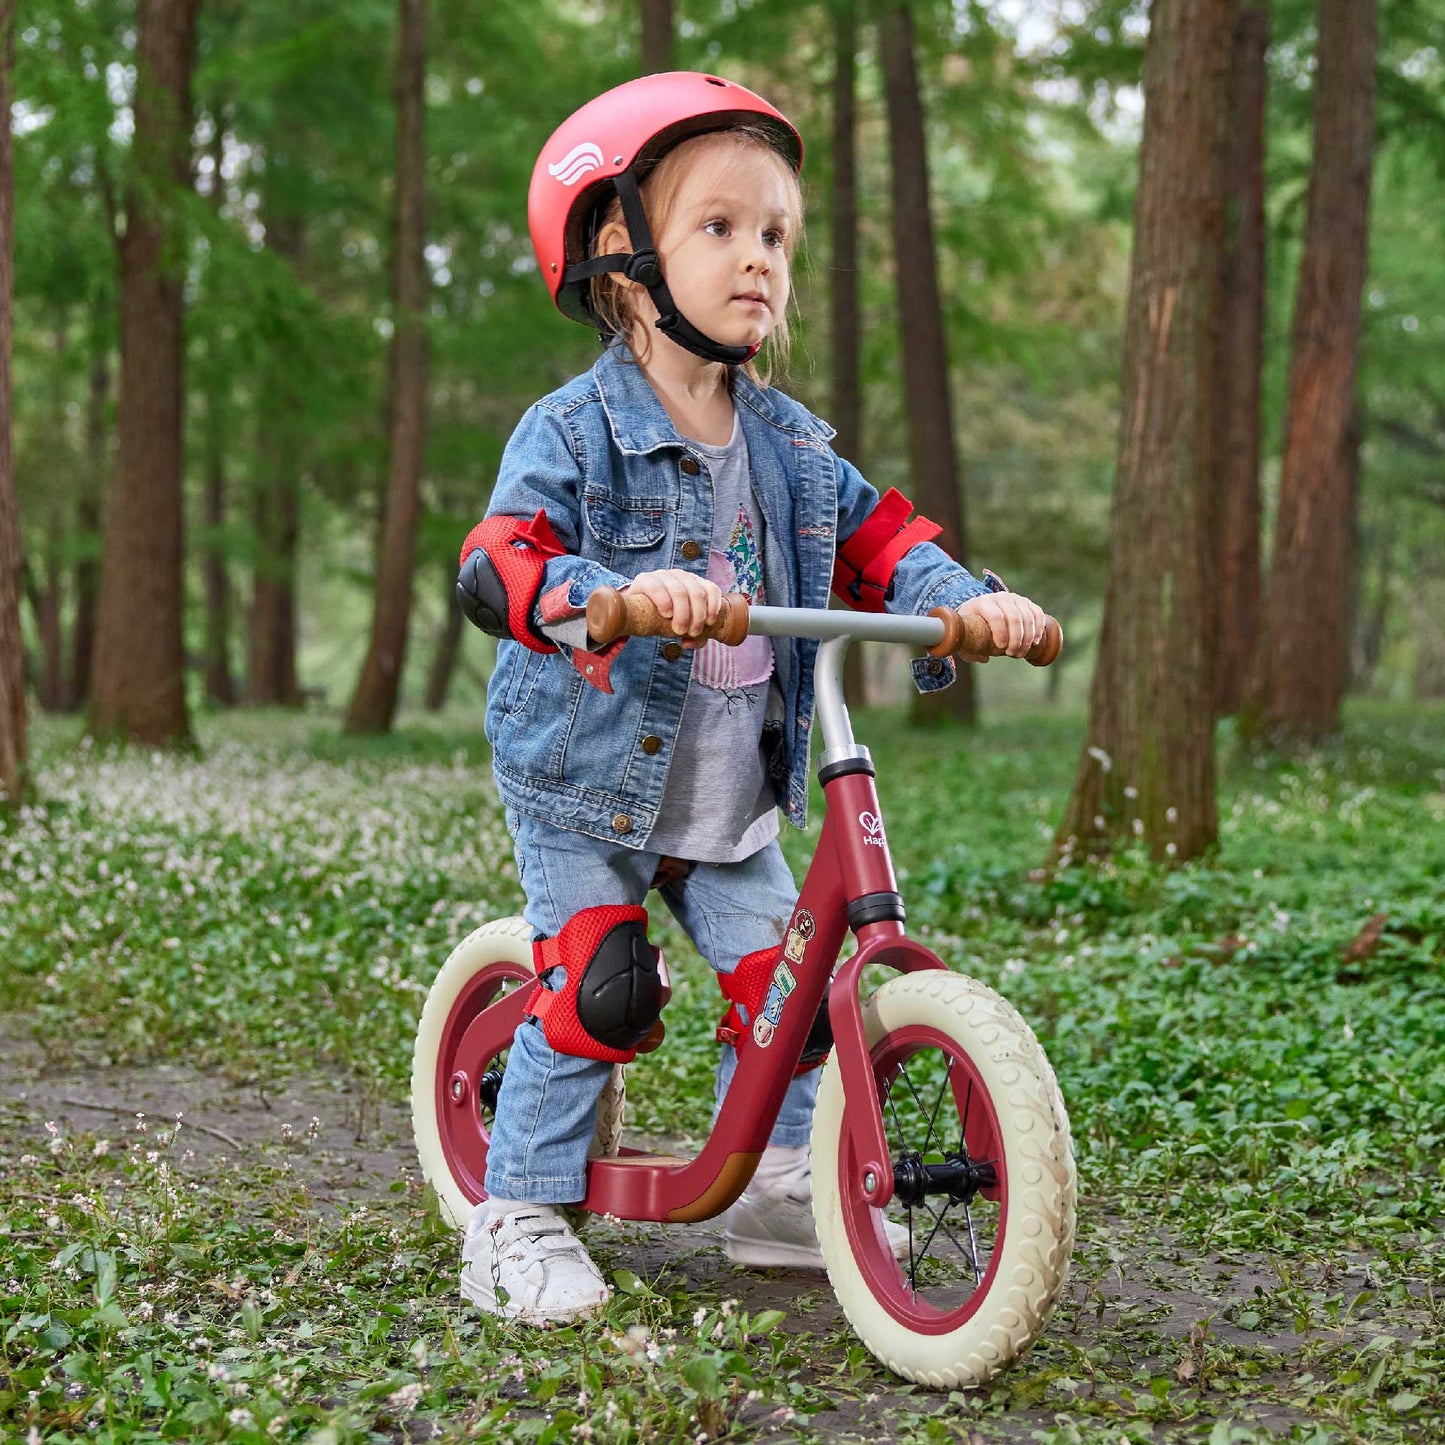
(726, 244)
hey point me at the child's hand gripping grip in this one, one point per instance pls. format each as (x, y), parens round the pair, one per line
(972, 636)
(612, 614)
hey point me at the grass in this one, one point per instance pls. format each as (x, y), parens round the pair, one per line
(1250, 1048)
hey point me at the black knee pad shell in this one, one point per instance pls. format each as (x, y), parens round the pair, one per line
(615, 984)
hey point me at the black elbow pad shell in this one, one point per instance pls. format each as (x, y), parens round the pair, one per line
(481, 596)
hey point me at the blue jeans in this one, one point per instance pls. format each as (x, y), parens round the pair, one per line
(547, 1107)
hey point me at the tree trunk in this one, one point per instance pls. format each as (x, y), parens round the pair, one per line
(138, 674)
(1241, 359)
(374, 705)
(51, 691)
(932, 453)
(1303, 662)
(271, 662)
(271, 654)
(1148, 764)
(846, 338)
(12, 657)
(656, 36)
(88, 510)
(448, 645)
(1369, 631)
(50, 688)
(1428, 605)
(220, 683)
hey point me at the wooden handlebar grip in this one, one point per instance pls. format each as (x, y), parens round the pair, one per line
(973, 636)
(612, 614)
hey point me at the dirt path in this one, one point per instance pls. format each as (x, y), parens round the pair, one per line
(1144, 1307)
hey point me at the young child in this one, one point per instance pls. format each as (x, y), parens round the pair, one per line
(665, 213)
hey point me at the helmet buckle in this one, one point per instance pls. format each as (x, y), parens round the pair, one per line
(643, 266)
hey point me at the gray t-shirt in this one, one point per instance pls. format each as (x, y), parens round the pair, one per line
(717, 804)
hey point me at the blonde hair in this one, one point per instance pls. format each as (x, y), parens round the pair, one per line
(615, 302)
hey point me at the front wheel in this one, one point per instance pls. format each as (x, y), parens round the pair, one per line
(984, 1184)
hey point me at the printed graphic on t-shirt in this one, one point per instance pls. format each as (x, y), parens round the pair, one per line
(739, 569)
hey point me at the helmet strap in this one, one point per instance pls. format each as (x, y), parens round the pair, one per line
(644, 267)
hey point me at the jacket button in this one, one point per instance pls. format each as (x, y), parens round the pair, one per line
(672, 651)
(690, 466)
(691, 550)
(621, 823)
(935, 667)
(650, 744)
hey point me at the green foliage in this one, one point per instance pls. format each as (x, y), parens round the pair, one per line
(1249, 1049)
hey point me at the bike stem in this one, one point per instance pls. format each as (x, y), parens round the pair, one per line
(875, 908)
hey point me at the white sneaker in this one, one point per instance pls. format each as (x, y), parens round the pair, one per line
(772, 1226)
(527, 1265)
(772, 1231)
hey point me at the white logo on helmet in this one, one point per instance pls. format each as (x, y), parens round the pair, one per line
(580, 160)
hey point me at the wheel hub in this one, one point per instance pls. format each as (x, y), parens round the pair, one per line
(489, 1088)
(959, 1177)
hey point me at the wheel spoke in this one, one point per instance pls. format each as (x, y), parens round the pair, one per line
(897, 1122)
(912, 1263)
(972, 1241)
(937, 1103)
(937, 1225)
(908, 1079)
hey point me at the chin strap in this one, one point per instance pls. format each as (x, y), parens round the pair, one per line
(643, 267)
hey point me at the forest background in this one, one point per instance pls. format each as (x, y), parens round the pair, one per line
(284, 226)
(274, 316)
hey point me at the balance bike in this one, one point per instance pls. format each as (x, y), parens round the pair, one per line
(937, 1109)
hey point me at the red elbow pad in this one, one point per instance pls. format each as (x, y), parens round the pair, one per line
(519, 552)
(866, 562)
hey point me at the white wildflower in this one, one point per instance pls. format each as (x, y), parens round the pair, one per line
(404, 1400)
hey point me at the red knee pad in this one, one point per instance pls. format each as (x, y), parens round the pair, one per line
(615, 985)
(761, 983)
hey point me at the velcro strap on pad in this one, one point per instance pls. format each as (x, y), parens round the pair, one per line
(866, 562)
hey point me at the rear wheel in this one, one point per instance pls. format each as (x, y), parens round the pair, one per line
(458, 1059)
(984, 1182)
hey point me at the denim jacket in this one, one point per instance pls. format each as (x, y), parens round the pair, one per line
(624, 494)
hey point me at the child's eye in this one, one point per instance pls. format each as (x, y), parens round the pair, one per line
(716, 227)
(774, 238)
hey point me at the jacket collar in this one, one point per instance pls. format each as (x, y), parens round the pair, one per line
(640, 424)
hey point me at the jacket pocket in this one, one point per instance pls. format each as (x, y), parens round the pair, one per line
(521, 672)
(624, 521)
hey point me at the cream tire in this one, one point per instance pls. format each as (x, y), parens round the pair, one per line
(502, 942)
(1029, 1264)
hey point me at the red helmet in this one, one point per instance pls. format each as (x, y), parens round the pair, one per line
(596, 151)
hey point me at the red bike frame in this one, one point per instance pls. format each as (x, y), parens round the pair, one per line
(850, 883)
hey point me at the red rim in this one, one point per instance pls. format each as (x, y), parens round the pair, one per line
(931, 1309)
(470, 1044)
